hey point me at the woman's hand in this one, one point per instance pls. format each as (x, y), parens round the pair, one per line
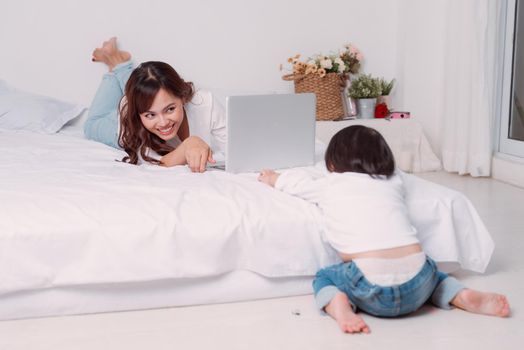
(193, 151)
(197, 153)
(268, 177)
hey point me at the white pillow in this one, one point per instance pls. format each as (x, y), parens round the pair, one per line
(20, 110)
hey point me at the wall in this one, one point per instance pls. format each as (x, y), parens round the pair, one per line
(420, 58)
(228, 44)
(509, 169)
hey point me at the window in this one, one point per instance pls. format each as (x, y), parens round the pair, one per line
(511, 139)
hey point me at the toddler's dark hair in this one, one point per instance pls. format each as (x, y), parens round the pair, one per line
(360, 149)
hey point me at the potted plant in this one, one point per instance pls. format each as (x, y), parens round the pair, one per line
(386, 90)
(365, 89)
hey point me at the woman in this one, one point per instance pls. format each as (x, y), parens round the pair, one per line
(153, 114)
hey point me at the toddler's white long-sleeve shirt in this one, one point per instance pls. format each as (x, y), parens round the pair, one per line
(361, 213)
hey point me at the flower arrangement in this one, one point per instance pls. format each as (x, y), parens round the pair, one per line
(346, 61)
(365, 86)
(386, 86)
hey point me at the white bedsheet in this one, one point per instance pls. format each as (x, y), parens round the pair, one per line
(72, 215)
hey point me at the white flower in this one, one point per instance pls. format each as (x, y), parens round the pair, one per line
(341, 66)
(326, 63)
(312, 62)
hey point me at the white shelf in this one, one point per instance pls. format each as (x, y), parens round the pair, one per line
(405, 137)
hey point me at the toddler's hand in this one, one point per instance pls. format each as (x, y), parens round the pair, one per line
(268, 177)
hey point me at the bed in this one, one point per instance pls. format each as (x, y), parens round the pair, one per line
(82, 232)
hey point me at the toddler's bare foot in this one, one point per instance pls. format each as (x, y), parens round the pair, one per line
(482, 303)
(110, 54)
(340, 309)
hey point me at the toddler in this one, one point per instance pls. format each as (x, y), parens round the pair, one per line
(384, 271)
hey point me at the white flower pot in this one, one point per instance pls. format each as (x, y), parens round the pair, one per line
(366, 108)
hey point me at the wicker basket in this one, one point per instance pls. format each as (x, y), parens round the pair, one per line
(327, 89)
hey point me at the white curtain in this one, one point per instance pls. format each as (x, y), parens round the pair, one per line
(447, 59)
(470, 77)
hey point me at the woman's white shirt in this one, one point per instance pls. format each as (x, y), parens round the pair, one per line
(207, 120)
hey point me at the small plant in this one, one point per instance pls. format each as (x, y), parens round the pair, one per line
(386, 86)
(365, 86)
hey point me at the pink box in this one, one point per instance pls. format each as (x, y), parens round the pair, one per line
(399, 115)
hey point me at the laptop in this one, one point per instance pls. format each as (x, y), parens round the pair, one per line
(273, 131)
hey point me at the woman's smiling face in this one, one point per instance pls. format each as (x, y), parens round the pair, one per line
(165, 115)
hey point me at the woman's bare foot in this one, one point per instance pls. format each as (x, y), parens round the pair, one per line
(340, 309)
(110, 54)
(482, 303)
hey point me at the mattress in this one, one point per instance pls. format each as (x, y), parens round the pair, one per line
(235, 286)
(75, 221)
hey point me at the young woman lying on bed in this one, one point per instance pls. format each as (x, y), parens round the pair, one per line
(153, 114)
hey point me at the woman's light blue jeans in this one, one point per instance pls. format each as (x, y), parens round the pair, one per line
(102, 120)
(390, 301)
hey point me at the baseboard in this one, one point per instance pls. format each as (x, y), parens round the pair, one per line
(508, 169)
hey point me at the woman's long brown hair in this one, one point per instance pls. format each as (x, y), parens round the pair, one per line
(140, 91)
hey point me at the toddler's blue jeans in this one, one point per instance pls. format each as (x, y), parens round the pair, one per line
(385, 301)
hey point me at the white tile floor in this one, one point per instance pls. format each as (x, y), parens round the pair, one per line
(272, 324)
